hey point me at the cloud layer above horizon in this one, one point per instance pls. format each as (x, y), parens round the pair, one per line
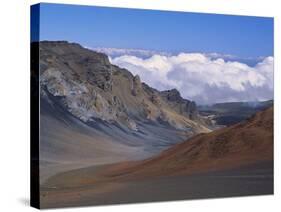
(203, 79)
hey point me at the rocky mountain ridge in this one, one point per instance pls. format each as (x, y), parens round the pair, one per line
(91, 89)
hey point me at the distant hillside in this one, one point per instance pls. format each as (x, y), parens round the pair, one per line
(230, 113)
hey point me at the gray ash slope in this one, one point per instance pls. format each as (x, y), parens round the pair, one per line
(95, 112)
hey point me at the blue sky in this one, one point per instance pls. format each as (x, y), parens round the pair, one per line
(91, 26)
(206, 79)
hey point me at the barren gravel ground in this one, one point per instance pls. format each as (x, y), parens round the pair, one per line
(251, 180)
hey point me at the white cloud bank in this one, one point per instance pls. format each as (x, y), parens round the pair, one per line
(202, 78)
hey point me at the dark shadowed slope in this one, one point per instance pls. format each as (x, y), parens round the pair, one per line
(67, 143)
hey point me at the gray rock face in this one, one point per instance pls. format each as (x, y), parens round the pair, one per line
(182, 106)
(136, 86)
(92, 89)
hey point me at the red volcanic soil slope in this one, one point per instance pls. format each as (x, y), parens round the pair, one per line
(197, 168)
(245, 143)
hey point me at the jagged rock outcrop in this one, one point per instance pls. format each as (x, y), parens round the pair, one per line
(136, 86)
(182, 106)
